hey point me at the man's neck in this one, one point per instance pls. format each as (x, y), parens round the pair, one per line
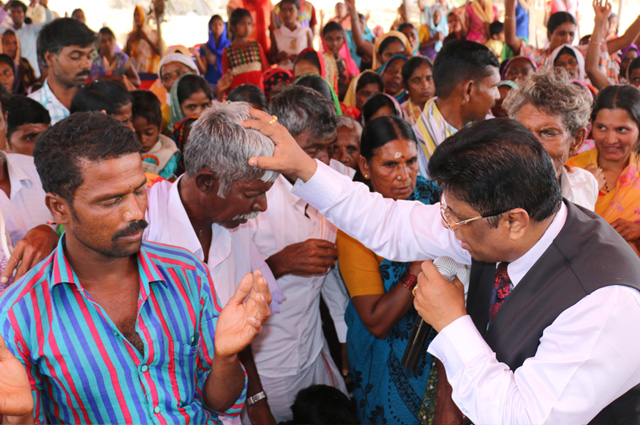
(450, 110)
(62, 92)
(200, 221)
(18, 26)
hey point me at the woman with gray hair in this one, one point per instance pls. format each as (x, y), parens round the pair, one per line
(557, 113)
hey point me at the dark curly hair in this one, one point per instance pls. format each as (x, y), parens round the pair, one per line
(82, 136)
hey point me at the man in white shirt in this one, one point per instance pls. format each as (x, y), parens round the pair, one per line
(299, 244)
(561, 345)
(28, 33)
(66, 48)
(557, 112)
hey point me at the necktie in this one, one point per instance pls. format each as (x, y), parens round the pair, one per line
(501, 290)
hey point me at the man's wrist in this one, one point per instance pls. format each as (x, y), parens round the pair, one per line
(258, 398)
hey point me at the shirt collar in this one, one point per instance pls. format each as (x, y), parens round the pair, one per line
(519, 268)
(16, 174)
(182, 233)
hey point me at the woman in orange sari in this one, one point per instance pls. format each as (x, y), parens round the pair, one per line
(143, 44)
(615, 161)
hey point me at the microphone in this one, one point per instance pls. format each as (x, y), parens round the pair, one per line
(417, 344)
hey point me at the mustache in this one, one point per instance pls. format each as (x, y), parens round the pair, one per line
(83, 74)
(131, 229)
(246, 216)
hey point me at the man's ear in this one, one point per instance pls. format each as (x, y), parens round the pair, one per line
(517, 222)
(467, 90)
(206, 181)
(49, 57)
(59, 207)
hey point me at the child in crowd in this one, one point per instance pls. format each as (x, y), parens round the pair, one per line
(190, 95)
(244, 59)
(160, 155)
(291, 38)
(496, 43)
(210, 58)
(333, 41)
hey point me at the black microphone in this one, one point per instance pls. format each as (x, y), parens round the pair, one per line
(417, 344)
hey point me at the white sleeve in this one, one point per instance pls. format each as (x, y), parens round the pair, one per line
(335, 296)
(396, 230)
(588, 357)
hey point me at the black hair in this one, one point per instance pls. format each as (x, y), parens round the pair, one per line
(76, 11)
(564, 51)
(625, 97)
(369, 78)
(213, 18)
(18, 3)
(406, 25)
(236, 16)
(7, 59)
(635, 64)
(461, 60)
(146, 105)
(495, 28)
(61, 33)
(558, 19)
(107, 31)
(412, 64)
(302, 109)
(386, 43)
(87, 100)
(322, 404)
(332, 26)
(380, 131)
(309, 56)
(496, 165)
(317, 83)
(90, 136)
(251, 94)
(24, 110)
(374, 104)
(190, 84)
(296, 3)
(5, 98)
(116, 92)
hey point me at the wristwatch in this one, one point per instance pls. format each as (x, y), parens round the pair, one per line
(256, 398)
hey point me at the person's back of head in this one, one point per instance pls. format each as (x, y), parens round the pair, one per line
(495, 29)
(22, 110)
(459, 61)
(84, 136)
(322, 404)
(375, 103)
(88, 100)
(251, 94)
(304, 110)
(63, 32)
(116, 92)
(497, 165)
(232, 147)
(317, 83)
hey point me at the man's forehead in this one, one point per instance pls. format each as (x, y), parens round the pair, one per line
(74, 47)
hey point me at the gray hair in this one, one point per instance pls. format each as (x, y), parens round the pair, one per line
(301, 109)
(349, 123)
(218, 142)
(553, 93)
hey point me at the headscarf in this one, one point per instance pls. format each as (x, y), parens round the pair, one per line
(350, 96)
(576, 53)
(144, 57)
(222, 42)
(176, 110)
(402, 94)
(17, 80)
(177, 57)
(272, 76)
(328, 67)
(506, 66)
(376, 46)
(334, 96)
(509, 83)
(484, 14)
(352, 68)
(441, 26)
(624, 51)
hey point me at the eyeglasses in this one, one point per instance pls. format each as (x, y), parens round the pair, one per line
(453, 226)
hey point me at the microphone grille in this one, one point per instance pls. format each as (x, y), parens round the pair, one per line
(447, 267)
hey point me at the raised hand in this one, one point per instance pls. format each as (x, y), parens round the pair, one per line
(240, 321)
(602, 9)
(15, 390)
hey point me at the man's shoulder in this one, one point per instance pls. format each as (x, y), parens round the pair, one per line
(27, 291)
(167, 257)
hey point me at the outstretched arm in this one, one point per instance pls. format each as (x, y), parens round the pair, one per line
(513, 41)
(602, 10)
(363, 45)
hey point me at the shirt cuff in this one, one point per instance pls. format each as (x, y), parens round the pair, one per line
(458, 344)
(315, 189)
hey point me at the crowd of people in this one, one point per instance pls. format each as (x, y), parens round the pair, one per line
(242, 231)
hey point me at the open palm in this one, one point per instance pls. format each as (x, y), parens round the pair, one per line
(15, 390)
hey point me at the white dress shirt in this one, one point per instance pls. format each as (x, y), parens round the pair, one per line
(580, 187)
(588, 357)
(232, 253)
(292, 340)
(25, 208)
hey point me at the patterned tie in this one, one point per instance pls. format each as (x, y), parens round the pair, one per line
(501, 290)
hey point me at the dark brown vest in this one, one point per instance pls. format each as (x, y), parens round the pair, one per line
(587, 254)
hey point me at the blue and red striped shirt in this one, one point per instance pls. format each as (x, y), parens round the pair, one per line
(83, 370)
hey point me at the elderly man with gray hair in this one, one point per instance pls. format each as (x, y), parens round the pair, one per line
(557, 112)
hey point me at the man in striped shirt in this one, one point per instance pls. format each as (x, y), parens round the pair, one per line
(109, 328)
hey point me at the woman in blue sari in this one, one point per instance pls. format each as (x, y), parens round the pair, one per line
(211, 51)
(380, 314)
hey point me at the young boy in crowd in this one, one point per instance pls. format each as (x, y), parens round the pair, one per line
(496, 44)
(291, 38)
(160, 155)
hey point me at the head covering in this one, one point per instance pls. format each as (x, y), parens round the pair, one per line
(509, 83)
(376, 46)
(441, 26)
(144, 57)
(399, 110)
(352, 68)
(384, 67)
(328, 67)
(485, 14)
(177, 57)
(334, 96)
(576, 54)
(624, 51)
(176, 110)
(506, 66)
(17, 80)
(273, 76)
(350, 96)
(222, 42)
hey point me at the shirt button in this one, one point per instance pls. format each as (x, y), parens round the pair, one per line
(193, 339)
(144, 368)
(156, 409)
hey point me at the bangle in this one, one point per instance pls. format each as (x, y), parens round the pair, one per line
(256, 398)
(409, 280)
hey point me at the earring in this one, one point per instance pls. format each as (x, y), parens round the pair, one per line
(366, 176)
